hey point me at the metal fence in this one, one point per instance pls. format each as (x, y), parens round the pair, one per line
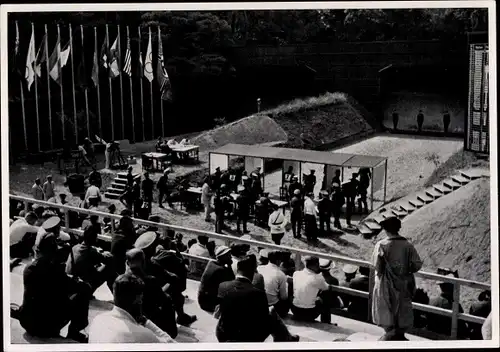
(457, 283)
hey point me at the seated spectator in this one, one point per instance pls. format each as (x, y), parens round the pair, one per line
(52, 299)
(350, 272)
(185, 141)
(441, 324)
(123, 240)
(309, 302)
(53, 225)
(93, 221)
(170, 272)
(199, 249)
(240, 251)
(22, 234)
(157, 305)
(419, 317)
(358, 306)
(159, 144)
(95, 178)
(191, 242)
(125, 323)
(276, 285)
(480, 308)
(244, 314)
(216, 272)
(263, 257)
(172, 143)
(326, 266)
(90, 264)
(287, 264)
(486, 328)
(178, 243)
(107, 221)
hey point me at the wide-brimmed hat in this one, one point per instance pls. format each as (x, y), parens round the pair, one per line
(221, 250)
(349, 269)
(326, 264)
(335, 184)
(51, 222)
(296, 192)
(145, 240)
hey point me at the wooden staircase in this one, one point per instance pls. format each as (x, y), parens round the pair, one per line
(371, 226)
(118, 186)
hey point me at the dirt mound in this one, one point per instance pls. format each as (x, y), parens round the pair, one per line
(454, 232)
(321, 121)
(249, 130)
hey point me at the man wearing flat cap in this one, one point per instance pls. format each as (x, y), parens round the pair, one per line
(169, 270)
(337, 201)
(310, 181)
(216, 272)
(324, 211)
(51, 298)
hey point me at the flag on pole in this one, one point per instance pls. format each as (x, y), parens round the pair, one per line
(16, 61)
(105, 53)
(114, 69)
(82, 70)
(140, 66)
(30, 61)
(127, 66)
(40, 57)
(62, 58)
(161, 72)
(148, 63)
(95, 65)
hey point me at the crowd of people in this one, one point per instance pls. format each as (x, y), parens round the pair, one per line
(146, 271)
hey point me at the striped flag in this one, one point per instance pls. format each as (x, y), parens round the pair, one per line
(140, 66)
(148, 64)
(105, 53)
(58, 55)
(30, 61)
(95, 63)
(161, 72)
(127, 66)
(40, 57)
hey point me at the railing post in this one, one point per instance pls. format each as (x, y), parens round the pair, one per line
(26, 206)
(298, 261)
(66, 219)
(456, 311)
(371, 283)
(112, 226)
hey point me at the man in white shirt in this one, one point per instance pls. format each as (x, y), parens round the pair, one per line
(49, 188)
(93, 195)
(199, 249)
(22, 234)
(125, 323)
(206, 198)
(277, 224)
(37, 190)
(311, 228)
(275, 283)
(308, 284)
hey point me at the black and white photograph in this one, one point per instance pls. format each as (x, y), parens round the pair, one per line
(249, 175)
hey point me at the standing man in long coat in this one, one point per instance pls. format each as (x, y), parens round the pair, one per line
(395, 260)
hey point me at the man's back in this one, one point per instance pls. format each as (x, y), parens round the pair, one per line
(118, 326)
(244, 312)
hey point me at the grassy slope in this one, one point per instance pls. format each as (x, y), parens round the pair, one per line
(322, 120)
(454, 232)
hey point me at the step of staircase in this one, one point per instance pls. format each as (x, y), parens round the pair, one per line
(472, 174)
(407, 207)
(424, 198)
(434, 193)
(115, 191)
(124, 175)
(121, 186)
(387, 214)
(460, 179)
(417, 203)
(451, 184)
(364, 230)
(372, 225)
(121, 181)
(399, 213)
(111, 195)
(378, 218)
(442, 188)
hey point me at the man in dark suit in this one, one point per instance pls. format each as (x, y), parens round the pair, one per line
(244, 315)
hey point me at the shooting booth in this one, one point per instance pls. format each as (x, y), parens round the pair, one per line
(274, 163)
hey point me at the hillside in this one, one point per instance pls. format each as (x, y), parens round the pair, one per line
(249, 130)
(322, 121)
(454, 232)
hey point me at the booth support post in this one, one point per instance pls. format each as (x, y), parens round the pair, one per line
(342, 176)
(227, 162)
(300, 172)
(385, 181)
(371, 170)
(263, 175)
(209, 162)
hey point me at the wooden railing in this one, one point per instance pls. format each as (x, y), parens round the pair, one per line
(457, 283)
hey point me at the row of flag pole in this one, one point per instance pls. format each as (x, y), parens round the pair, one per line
(109, 58)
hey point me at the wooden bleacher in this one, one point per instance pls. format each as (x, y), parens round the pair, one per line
(203, 330)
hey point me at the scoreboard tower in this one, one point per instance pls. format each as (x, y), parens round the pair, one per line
(477, 121)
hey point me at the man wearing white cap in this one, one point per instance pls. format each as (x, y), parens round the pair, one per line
(242, 209)
(215, 273)
(277, 224)
(294, 185)
(331, 298)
